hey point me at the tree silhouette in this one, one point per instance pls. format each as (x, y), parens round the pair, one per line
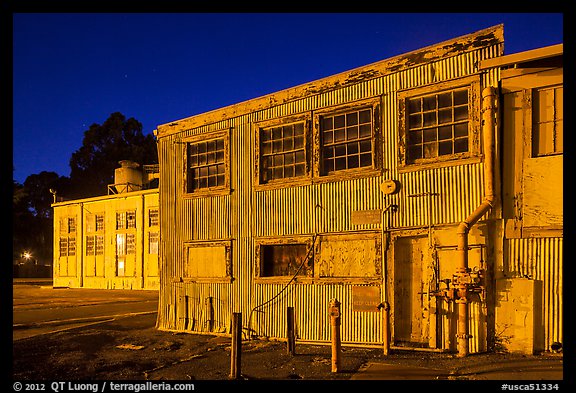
(92, 165)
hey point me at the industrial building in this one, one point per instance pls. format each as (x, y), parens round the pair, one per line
(110, 241)
(423, 192)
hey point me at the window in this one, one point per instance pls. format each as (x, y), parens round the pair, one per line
(547, 121)
(284, 260)
(346, 140)
(125, 244)
(206, 166)
(282, 152)
(208, 260)
(126, 220)
(67, 241)
(94, 245)
(437, 125)
(206, 163)
(153, 240)
(99, 219)
(67, 246)
(153, 217)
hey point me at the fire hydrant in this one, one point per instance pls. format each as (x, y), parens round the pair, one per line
(335, 322)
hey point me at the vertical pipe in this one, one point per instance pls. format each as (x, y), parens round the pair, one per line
(236, 349)
(488, 131)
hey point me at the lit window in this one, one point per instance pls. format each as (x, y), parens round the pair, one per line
(346, 140)
(437, 125)
(153, 240)
(126, 220)
(282, 152)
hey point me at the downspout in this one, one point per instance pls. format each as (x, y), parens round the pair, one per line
(462, 271)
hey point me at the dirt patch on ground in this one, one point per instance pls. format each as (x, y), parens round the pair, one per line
(133, 349)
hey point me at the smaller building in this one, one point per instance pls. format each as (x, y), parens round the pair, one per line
(110, 241)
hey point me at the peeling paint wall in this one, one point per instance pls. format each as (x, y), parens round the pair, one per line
(350, 250)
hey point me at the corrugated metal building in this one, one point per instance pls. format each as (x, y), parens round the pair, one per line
(352, 187)
(109, 241)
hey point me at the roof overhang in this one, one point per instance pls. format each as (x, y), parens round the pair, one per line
(523, 57)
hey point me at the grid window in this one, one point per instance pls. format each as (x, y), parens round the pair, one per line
(282, 152)
(437, 125)
(206, 165)
(63, 246)
(126, 220)
(94, 245)
(548, 121)
(152, 217)
(346, 140)
(99, 222)
(71, 225)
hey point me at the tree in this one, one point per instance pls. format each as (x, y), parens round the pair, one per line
(93, 164)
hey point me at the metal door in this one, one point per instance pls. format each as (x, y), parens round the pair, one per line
(410, 300)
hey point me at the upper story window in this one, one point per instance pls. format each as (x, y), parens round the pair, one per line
(206, 163)
(439, 122)
(346, 140)
(437, 125)
(153, 217)
(282, 152)
(547, 121)
(126, 220)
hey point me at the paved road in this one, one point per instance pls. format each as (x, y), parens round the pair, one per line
(40, 309)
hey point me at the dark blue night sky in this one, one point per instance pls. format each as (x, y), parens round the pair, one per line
(73, 70)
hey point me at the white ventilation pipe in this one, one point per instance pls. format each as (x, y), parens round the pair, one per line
(462, 271)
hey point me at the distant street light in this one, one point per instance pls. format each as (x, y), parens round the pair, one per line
(27, 255)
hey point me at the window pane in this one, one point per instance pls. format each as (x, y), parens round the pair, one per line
(299, 170)
(415, 137)
(461, 145)
(340, 150)
(445, 133)
(460, 113)
(339, 121)
(340, 163)
(444, 100)
(429, 119)
(327, 123)
(365, 146)
(352, 119)
(460, 130)
(415, 105)
(352, 133)
(414, 152)
(339, 135)
(366, 159)
(444, 116)
(352, 148)
(430, 150)
(415, 121)
(429, 103)
(328, 137)
(365, 131)
(461, 97)
(430, 135)
(445, 148)
(353, 161)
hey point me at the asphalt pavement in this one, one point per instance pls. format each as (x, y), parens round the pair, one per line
(37, 308)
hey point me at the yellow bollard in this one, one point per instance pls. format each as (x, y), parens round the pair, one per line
(336, 345)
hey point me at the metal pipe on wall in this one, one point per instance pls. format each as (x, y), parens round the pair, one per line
(462, 271)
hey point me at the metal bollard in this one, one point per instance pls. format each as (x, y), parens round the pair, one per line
(290, 331)
(336, 345)
(236, 349)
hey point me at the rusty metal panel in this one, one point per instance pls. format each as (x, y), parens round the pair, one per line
(540, 259)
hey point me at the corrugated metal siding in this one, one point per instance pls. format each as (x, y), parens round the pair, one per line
(325, 207)
(540, 259)
(312, 317)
